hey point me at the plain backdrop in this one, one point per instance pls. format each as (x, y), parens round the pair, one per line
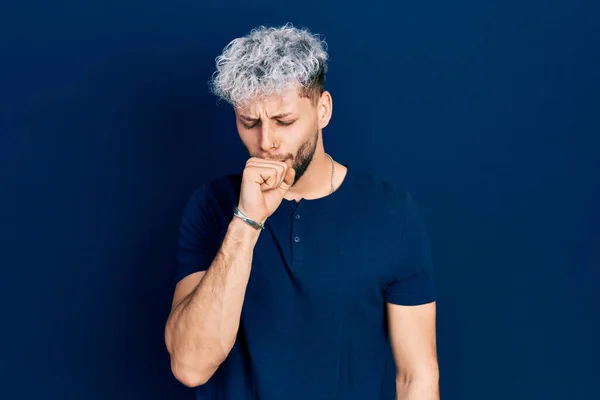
(485, 110)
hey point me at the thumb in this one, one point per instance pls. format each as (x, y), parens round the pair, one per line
(288, 180)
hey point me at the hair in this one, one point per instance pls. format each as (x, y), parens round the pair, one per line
(271, 60)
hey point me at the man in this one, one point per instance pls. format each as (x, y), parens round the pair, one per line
(300, 277)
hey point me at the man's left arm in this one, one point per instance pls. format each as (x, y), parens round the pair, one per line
(413, 338)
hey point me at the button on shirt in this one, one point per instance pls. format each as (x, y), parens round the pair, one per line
(313, 321)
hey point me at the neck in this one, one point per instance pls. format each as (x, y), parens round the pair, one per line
(316, 180)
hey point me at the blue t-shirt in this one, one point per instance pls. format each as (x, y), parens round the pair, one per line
(313, 323)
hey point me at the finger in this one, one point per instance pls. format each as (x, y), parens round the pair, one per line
(288, 180)
(266, 177)
(277, 171)
(265, 161)
(279, 168)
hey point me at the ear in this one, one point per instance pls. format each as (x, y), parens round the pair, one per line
(324, 109)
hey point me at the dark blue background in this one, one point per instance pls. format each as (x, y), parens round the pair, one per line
(487, 111)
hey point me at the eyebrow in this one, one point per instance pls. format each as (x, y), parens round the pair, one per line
(282, 115)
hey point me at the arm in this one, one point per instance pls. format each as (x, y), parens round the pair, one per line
(205, 316)
(413, 338)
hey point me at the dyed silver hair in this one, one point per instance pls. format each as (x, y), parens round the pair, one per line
(270, 60)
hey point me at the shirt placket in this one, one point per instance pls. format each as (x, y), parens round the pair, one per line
(297, 235)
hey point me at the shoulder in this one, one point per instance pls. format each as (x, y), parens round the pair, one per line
(381, 193)
(210, 204)
(217, 190)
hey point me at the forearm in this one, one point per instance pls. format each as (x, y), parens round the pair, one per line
(202, 329)
(425, 387)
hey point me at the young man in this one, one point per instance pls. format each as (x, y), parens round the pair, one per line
(300, 277)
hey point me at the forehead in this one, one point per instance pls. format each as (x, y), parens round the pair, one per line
(288, 101)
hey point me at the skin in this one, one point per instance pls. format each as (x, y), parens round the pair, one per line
(295, 125)
(206, 309)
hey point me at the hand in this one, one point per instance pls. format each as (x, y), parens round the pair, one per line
(264, 183)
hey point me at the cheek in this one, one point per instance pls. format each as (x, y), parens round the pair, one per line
(249, 139)
(301, 134)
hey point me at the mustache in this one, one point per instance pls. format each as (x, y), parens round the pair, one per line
(276, 158)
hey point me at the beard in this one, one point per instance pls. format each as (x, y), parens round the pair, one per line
(304, 157)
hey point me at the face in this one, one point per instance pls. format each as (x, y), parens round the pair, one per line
(291, 122)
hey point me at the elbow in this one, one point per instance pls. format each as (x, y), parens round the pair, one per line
(191, 376)
(192, 381)
(427, 376)
(192, 369)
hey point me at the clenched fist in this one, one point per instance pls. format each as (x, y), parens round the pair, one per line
(264, 183)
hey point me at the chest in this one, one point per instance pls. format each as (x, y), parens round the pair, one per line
(323, 258)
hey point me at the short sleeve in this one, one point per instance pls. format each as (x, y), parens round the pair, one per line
(413, 283)
(197, 240)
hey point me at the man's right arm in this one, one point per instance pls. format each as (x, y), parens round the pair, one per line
(207, 306)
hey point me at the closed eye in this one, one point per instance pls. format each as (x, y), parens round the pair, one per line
(285, 123)
(249, 126)
(280, 123)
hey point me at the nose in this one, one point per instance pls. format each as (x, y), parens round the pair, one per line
(266, 139)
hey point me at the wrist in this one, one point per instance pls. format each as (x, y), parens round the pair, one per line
(243, 231)
(256, 223)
